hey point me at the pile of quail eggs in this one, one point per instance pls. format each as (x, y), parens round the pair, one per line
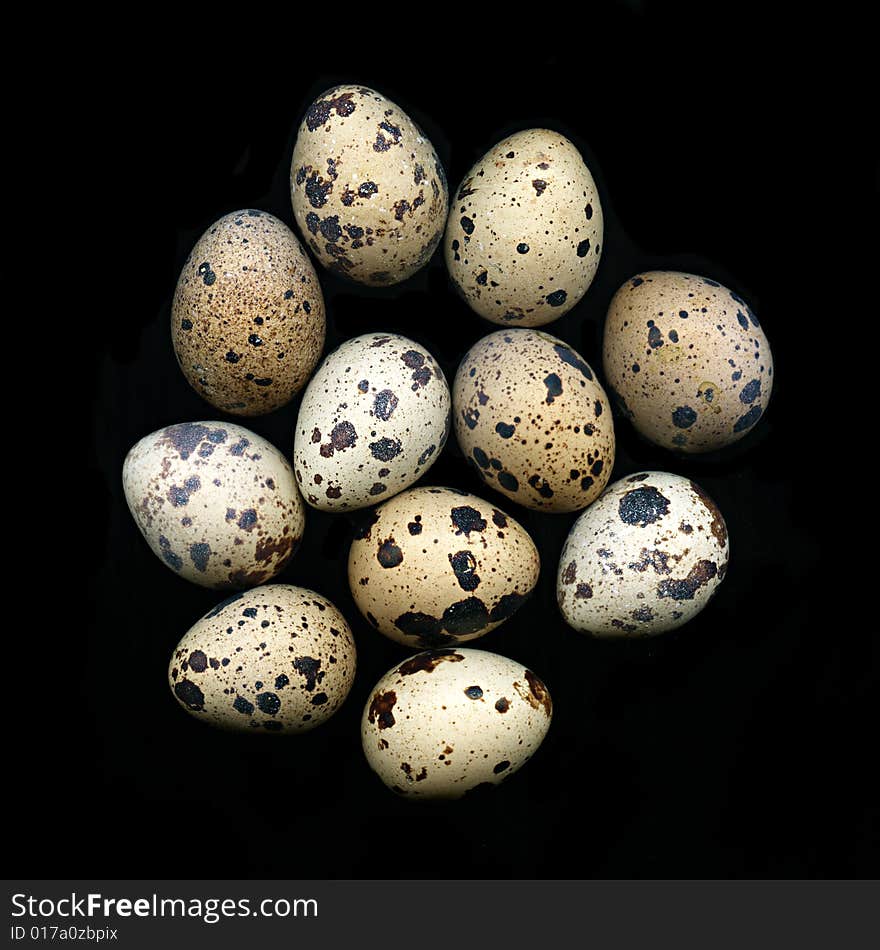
(433, 568)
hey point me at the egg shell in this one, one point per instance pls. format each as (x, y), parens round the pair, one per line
(247, 321)
(533, 419)
(277, 659)
(687, 361)
(216, 502)
(438, 566)
(525, 231)
(645, 558)
(369, 193)
(449, 720)
(374, 418)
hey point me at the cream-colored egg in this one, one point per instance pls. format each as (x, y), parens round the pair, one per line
(374, 418)
(438, 566)
(247, 322)
(449, 720)
(645, 558)
(687, 361)
(369, 193)
(525, 230)
(276, 659)
(216, 502)
(531, 416)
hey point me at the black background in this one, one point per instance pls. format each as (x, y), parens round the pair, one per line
(730, 748)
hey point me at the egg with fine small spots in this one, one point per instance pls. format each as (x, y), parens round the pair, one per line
(373, 419)
(525, 230)
(216, 502)
(435, 566)
(450, 720)
(687, 361)
(644, 559)
(247, 321)
(277, 659)
(533, 419)
(369, 193)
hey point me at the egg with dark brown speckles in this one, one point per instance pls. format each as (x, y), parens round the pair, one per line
(437, 566)
(278, 659)
(644, 559)
(215, 502)
(533, 419)
(369, 193)
(687, 361)
(525, 231)
(373, 419)
(247, 321)
(451, 720)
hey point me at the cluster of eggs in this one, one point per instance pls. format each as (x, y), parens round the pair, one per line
(432, 568)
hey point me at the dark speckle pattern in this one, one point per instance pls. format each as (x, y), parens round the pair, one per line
(528, 230)
(441, 566)
(355, 154)
(238, 264)
(528, 447)
(642, 560)
(285, 663)
(674, 347)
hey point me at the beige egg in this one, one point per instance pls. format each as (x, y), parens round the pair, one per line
(369, 193)
(533, 419)
(525, 231)
(449, 720)
(645, 558)
(275, 659)
(216, 502)
(438, 566)
(373, 419)
(247, 322)
(687, 360)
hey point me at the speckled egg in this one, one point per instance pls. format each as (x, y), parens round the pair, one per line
(687, 361)
(374, 418)
(217, 503)
(645, 558)
(438, 565)
(525, 232)
(247, 321)
(450, 720)
(275, 659)
(533, 419)
(369, 193)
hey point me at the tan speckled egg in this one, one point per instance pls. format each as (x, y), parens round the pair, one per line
(438, 566)
(247, 322)
(686, 360)
(525, 232)
(369, 193)
(216, 502)
(533, 419)
(645, 558)
(275, 659)
(447, 721)
(374, 417)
